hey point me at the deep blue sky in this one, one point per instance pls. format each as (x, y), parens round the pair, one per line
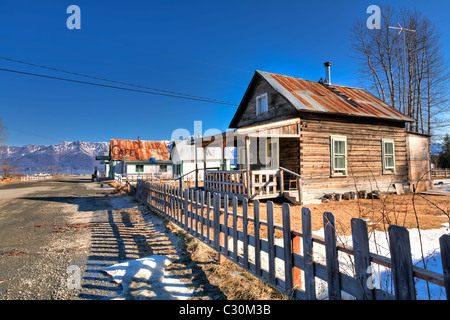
(204, 48)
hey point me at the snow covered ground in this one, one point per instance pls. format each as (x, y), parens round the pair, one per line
(381, 276)
(427, 240)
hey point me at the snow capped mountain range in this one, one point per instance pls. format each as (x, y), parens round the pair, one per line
(69, 157)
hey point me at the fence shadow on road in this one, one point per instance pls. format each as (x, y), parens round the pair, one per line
(122, 236)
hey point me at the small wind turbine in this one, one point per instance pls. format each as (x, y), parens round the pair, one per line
(401, 28)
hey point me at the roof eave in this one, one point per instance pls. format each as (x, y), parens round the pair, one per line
(356, 115)
(250, 87)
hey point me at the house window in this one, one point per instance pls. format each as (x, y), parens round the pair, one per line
(388, 156)
(176, 169)
(261, 104)
(338, 156)
(139, 168)
(162, 168)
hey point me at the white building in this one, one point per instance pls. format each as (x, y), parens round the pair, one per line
(140, 157)
(186, 158)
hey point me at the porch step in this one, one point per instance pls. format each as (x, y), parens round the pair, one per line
(292, 196)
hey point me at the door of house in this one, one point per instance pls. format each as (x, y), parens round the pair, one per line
(271, 153)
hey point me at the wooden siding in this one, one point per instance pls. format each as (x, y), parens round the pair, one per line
(418, 146)
(364, 154)
(278, 107)
(289, 158)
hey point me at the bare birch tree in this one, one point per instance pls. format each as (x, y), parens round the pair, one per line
(406, 69)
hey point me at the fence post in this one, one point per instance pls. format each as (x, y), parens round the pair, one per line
(310, 282)
(245, 230)
(150, 194)
(217, 222)
(445, 256)
(186, 208)
(235, 231)
(180, 206)
(202, 218)
(168, 202)
(208, 220)
(402, 267)
(197, 200)
(334, 285)
(270, 240)
(257, 238)
(175, 203)
(191, 212)
(138, 190)
(287, 244)
(362, 257)
(224, 239)
(172, 203)
(158, 197)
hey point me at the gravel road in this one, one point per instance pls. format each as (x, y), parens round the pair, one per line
(56, 235)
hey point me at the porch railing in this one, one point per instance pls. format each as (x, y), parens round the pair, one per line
(232, 182)
(264, 184)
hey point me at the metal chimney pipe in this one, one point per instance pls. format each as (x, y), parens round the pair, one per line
(327, 72)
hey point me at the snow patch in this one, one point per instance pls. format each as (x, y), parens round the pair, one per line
(147, 278)
(381, 276)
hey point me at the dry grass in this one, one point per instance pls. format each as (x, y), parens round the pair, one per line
(221, 281)
(118, 188)
(410, 211)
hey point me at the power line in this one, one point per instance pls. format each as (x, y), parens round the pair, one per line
(32, 134)
(117, 44)
(115, 63)
(112, 81)
(116, 87)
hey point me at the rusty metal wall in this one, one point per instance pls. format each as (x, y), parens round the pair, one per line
(138, 150)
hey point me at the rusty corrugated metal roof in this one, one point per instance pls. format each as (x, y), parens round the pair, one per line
(307, 95)
(138, 150)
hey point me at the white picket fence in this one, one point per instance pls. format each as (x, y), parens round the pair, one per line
(134, 177)
(39, 176)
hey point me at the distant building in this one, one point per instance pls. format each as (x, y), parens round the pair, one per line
(185, 160)
(139, 156)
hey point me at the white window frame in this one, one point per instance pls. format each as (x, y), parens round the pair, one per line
(258, 99)
(386, 169)
(338, 172)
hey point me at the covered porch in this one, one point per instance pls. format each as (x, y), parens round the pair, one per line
(267, 165)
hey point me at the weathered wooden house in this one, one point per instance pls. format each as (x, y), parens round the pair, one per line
(303, 139)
